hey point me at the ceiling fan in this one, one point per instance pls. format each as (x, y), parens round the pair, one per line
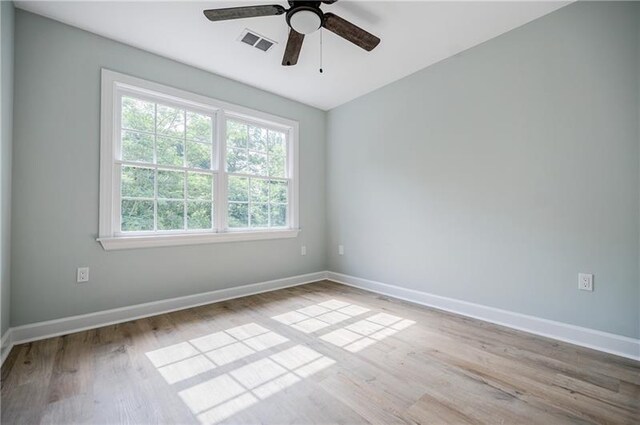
(303, 17)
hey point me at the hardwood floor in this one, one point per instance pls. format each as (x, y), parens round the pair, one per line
(319, 353)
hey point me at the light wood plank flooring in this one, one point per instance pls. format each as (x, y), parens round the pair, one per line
(319, 353)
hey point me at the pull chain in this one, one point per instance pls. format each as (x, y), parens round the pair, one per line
(320, 50)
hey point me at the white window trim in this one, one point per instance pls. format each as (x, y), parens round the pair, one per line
(109, 238)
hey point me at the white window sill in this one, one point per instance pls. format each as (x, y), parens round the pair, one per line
(131, 242)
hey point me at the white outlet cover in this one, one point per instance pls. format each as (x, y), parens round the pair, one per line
(83, 274)
(303, 250)
(585, 282)
(340, 249)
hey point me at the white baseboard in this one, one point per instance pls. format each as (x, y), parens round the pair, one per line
(5, 345)
(50, 328)
(597, 340)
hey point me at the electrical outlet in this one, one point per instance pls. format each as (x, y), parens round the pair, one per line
(83, 274)
(303, 250)
(585, 282)
(340, 249)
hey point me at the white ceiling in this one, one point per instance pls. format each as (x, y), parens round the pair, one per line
(415, 34)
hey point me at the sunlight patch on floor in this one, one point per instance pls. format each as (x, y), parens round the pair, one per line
(229, 393)
(225, 395)
(190, 358)
(185, 369)
(315, 317)
(237, 387)
(366, 332)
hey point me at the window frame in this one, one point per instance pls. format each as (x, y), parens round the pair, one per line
(113, 86)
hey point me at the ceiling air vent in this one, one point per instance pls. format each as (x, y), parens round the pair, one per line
(256, 40)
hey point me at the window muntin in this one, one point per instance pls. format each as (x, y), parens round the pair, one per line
(258, 182)
(165, 167)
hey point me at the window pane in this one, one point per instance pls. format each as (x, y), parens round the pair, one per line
(136, 215)
(257, 163)
(259, 215)
(170, 121)
(137, 146)
(278, 191)
(199, 127)
(276, 140)
(278, 215)
(276, 166)
(238, 189)
(170, 184)
(258, 139)
(199, 186)
(199, 215)
(198, 155)
(237, 161)
(236, 135)
(170, 215)
(238, 215)
(259, 190)
(277, 154)
(137, 182)
(138, 114)
(170, 151)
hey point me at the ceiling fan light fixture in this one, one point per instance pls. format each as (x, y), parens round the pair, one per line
(305, 21)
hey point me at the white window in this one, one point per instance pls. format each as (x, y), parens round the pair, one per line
(178, 168)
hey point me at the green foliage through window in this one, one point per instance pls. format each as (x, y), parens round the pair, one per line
(257, 202)
(167, 176)
(155, 198)
(257, 189)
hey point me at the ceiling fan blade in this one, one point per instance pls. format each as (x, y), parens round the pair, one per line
(292, 51)
(350, 32)
(243, 12)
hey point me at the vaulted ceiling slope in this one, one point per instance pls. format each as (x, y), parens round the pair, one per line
(415, 34)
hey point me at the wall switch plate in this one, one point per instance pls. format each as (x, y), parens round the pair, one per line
(585, 282)
(83, 274)
(303, 250)
(340, 249)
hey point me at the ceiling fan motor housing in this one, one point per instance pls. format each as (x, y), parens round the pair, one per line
(304, 18)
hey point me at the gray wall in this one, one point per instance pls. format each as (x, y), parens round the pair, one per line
(55, 183)
(494, 176)
(497, 175)
(6, 126)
